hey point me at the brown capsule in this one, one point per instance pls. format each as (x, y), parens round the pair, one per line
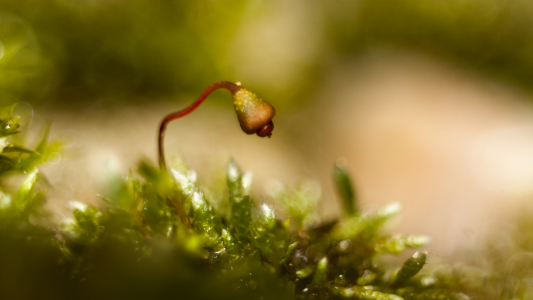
(254, 114)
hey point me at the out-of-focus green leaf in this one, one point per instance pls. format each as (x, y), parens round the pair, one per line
(14, 148)
(364, 293)
(320, 272)
(366, 225)
(9, 126)
(305, 272)
(88, 221)
(6, 164)
(44, 151)
(409, 294)
(41, 146)
(300, 203)
(398, 243)
(410, 267)
(25, 192)
(345, 190)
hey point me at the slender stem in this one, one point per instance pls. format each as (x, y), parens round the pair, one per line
(182, 113)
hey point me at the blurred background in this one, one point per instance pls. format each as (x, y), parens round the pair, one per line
(425, 102)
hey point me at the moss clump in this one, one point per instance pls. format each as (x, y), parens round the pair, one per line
(159, 236)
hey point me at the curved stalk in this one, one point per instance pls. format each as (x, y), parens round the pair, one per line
(253, 113)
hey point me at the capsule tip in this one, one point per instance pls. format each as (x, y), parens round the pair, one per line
(266, 130)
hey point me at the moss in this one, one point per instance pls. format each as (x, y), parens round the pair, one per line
(159, 236)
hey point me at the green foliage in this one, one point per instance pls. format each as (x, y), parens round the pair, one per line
(312, 260)
(159, 236)
(300, 203)
(410, 268)
(346, 191)
(16, 208)
(161, 229)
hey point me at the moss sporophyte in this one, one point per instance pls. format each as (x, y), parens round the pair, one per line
(254, 114)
